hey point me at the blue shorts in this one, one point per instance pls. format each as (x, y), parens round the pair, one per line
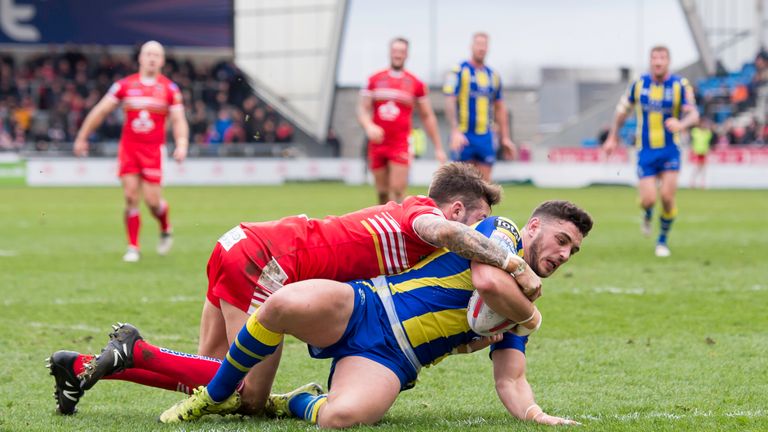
(653, 162)
(479, 148)
(369, 335)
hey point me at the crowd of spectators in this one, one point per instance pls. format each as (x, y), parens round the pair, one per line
(736, 103)
(45, 97)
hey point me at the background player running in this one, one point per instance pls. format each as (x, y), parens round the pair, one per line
(473, 101)
(148, 98)
(385, 111)
(665, 106)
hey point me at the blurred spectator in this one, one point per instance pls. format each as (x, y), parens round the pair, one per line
(235, 133)
(702, 139)
(333, 142)
(284, 132)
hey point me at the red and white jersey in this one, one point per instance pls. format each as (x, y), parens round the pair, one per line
(394, 93)
(369, 242)
(146, 105)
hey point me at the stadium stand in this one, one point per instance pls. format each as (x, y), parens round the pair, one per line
(45, 97)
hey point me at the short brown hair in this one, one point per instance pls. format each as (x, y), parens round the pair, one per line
(399, 39)
(661, 48)
(567, 211)
(457, 181)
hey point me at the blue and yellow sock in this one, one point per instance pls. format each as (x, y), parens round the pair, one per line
(252, 345)
(665, 222)
(306, 406)
(648, 214)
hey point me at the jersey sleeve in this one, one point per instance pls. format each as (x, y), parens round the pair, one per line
(420, 90)
(451, 86)
(511, 341)
(413, 208)
(117, 90)
(630, 95)
(687, 95)
(368, 89)
(497, 93)
(174, 96)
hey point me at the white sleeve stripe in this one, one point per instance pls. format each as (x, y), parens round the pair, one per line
(392, 248)
(403, 252)
(384, 245)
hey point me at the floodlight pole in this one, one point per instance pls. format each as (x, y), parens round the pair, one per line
(696, 26)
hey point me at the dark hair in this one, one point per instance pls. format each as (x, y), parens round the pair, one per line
(567, 211)
(458, 181)
(399, 39)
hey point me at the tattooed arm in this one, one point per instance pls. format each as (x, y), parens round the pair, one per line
(470, 244)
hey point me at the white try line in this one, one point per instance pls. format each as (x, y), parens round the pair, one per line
(610, 290)
(8, 253)
(108, 300)
(671, 416)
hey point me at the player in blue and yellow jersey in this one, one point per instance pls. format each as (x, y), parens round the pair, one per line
(380, 332)
(473, 101)
(664, 106)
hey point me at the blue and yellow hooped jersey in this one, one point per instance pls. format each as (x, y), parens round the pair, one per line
(431, 298)
(476, 91)
(655, 102)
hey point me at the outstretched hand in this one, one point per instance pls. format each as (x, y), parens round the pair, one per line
(547, 419)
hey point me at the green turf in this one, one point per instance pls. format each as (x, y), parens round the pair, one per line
(629, 342)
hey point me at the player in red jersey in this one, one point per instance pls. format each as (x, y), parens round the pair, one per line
(254, 259)
(148, 98)
(384, 111)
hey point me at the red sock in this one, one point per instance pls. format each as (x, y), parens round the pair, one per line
(188, 369)
(151, 379)
(80, 361)
(139, 376)
(132, 224)
(161, 214)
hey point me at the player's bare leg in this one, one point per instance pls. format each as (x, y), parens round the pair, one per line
(258, 382)
(153, 197)
(381, 181)
(131, 189)
(297, 309)
(646, 187)
(398, 181)
(485, 169)
(352, 401)
(669, 210)
(668, 189)
(213, 332)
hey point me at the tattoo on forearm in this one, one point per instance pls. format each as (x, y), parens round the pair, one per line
(461, 240)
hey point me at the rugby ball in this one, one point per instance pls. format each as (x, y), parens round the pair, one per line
(483, 320)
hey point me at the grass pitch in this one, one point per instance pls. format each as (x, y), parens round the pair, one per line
(629, 342)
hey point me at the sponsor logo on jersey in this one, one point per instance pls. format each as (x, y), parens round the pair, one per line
(388, 111)
(143, 123)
